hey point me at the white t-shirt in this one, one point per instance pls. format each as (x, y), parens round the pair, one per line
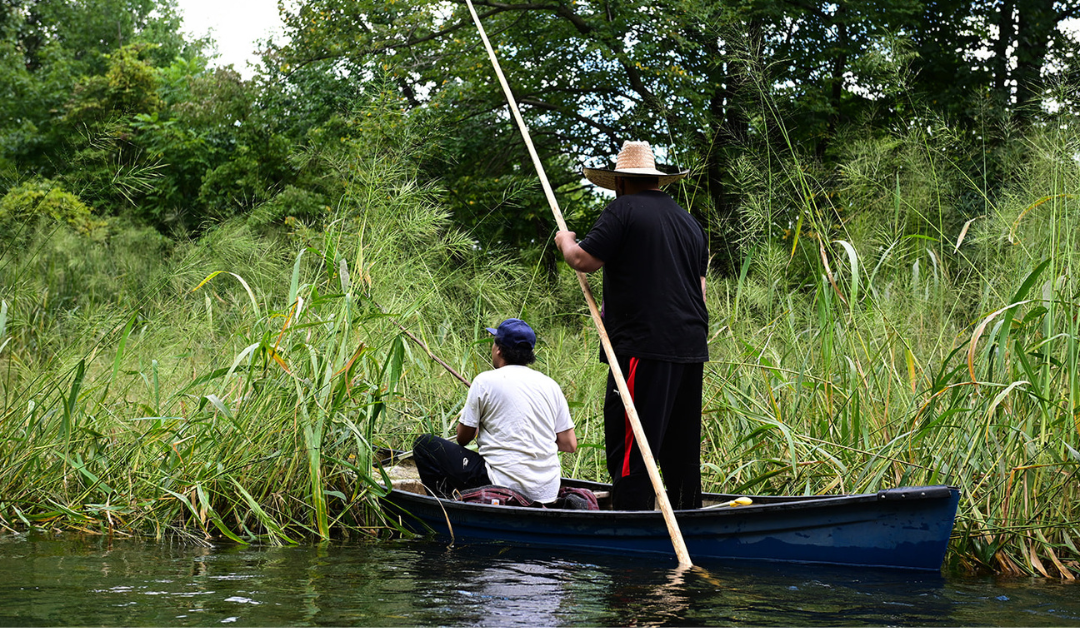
(518, 412)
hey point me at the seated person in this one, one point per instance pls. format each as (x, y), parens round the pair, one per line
(519, 418)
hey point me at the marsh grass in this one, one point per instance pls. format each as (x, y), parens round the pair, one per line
(235, 391)
(893, 323)
(904, 325)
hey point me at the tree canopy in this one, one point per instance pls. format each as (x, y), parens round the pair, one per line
(695, 78)
(105, 98)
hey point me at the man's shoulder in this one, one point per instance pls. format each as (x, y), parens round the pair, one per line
(516, 374)
(485, 377)
(661, 204)
(664, 201)
(526, 372)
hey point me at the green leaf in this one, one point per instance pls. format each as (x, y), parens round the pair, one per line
(120, 347)
(68, 423)
(273, 527)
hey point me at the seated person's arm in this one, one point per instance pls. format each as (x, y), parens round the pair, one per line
(465, 434)
(566, 441)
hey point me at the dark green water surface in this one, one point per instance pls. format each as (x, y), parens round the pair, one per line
(95, 581)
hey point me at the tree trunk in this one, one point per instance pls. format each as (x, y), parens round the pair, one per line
(839, 66)
(1035, 26)
(730, 138)
(1006, 27)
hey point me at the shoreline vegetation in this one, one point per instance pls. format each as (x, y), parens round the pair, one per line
(205, 284)
(232, 387)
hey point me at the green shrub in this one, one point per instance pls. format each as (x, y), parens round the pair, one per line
(42, 199)
(294, 202)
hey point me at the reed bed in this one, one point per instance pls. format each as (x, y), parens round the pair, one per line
(928, 339)
(894, 323)
(237, 391)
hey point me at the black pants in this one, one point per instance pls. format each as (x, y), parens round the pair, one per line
(445, 466)
(667, 396)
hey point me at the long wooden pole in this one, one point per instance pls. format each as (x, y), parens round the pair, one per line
(631, 412)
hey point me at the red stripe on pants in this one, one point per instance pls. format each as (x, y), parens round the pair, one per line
(628, 435)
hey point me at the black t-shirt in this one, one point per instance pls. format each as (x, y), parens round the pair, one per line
(654, 256)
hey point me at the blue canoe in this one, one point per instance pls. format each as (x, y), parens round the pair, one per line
(905, 528)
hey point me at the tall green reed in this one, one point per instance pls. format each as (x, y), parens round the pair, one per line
(235, 389)
(881, 335)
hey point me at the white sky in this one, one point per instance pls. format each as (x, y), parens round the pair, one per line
(234, 25)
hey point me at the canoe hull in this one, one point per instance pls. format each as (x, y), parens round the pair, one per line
(900, 528)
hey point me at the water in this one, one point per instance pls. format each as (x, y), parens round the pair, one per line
(95, 581)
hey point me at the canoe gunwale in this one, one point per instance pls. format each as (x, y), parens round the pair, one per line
(762, 503)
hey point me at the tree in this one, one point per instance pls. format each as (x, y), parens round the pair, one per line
(592, 73)
(108, 99)
(1009, 51)
(51, 47)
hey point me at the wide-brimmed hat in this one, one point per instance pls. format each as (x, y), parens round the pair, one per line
(635, 160)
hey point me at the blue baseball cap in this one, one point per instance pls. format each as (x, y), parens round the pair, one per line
(513, 332)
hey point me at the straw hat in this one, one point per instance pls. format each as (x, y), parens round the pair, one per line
(634, 160)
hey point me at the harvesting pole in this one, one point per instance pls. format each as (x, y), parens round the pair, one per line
(631, 412)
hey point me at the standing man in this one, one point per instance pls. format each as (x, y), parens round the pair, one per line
(520, 420)
(654, 257)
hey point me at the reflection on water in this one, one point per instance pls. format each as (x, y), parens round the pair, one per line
(81, 581)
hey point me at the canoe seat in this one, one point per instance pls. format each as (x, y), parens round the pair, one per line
(410, 485)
